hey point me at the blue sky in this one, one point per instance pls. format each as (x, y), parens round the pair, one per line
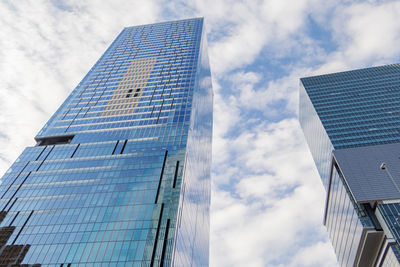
(267, 199)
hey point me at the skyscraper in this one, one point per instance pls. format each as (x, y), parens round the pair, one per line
(120, 174)
(351, 121)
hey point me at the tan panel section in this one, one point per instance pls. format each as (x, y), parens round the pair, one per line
(125, 98)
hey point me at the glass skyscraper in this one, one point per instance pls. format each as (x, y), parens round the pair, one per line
(120, 174)
(351, 121)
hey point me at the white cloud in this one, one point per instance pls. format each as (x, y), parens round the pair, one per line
(260, 236)
(277, 199)
(372, 30)
(367, 33)
(254, 95)
(314, 255)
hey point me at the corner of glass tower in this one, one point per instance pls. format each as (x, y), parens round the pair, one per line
(192, 239)
(120, 174)
(350, 121)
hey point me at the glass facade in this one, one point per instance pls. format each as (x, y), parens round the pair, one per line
(317, 138)
(353, 109)
(346, 220)
(120, 175)
(359, 107)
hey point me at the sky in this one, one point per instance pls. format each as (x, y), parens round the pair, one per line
(267, 198)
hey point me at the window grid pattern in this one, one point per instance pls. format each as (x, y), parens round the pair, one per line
(360, 107)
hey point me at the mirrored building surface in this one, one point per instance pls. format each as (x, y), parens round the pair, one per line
(351, 121)
(120, 175)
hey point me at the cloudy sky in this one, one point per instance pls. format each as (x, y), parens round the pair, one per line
(267, 200)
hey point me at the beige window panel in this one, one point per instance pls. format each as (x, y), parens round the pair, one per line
(130, 88)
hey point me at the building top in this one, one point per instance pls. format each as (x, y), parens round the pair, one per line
(359, 107)
(351, 75)
(164, 23)
(143, 80)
